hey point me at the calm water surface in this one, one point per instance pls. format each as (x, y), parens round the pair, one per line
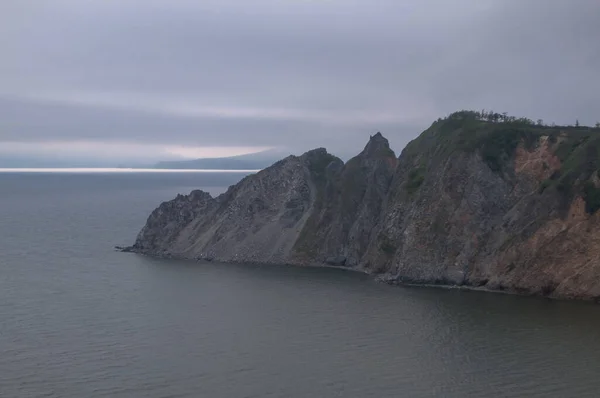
(78, 319)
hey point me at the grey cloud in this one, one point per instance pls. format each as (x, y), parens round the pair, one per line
(340, 63)
(27, 121)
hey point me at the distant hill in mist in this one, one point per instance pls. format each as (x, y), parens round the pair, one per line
(253, 161)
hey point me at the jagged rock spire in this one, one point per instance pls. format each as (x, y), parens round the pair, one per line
(377, 145)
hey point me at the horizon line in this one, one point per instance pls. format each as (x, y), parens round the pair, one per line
(114, 170)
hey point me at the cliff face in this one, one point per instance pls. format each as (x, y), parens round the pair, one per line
(501, 206)
(310, 209)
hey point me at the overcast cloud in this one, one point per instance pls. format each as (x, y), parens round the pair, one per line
(282, 73)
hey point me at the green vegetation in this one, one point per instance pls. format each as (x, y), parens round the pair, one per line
(545, 184)
(415, 179)
(591, 195)
(579, 154)
(499, 145)
(493, 117)
(496, 136)
(580, 158)
(457, 120)
(567, 147)
(387, 247)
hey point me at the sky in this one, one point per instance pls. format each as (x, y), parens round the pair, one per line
(144, 80)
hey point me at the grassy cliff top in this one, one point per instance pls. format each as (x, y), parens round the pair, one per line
(496, 135)
(496, 138)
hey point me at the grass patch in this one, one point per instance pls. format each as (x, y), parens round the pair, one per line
(415, 179)
(566, 148)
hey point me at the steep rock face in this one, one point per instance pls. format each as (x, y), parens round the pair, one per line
(348, 207)
(255, 220)
(502, 206)
(311, 209)
(166, 222)
(490, 214)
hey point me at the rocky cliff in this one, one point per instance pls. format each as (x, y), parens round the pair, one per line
(502, 206)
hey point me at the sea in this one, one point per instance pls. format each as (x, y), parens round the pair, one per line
(79, 319)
